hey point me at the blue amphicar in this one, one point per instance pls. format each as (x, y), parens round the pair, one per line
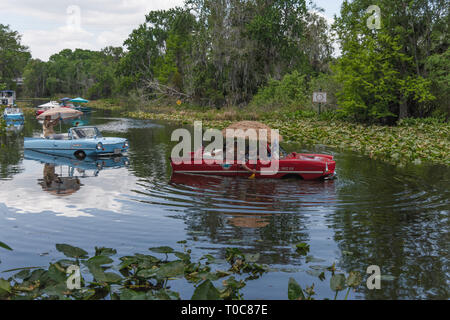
(79, 142)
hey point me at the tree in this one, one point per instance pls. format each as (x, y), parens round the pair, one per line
(35, 79)
(390, 63)
(13, 56)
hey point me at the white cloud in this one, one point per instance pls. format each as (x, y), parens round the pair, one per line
(55, 25)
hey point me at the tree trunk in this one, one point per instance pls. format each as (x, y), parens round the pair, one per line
(403, 112)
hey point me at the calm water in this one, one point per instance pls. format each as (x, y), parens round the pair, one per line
(372, 214)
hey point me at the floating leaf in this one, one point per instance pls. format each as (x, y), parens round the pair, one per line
(171, 269)
(5, 286)
(22, 274)
(295, 292)
(313, 259)
(314, 273)
(147, 273)
(56, 273)
(127, 294)
(209, 257)
(318, 267)
(337, 282)
(70, 251)
(251, 257)
(183, 256)
(112, 277)
(206, 291)
(105, 251)
(97, 272)
(99, 260)
(5, 246)
(163, 249)
(302, 248)
(354, 279)
(167, 295)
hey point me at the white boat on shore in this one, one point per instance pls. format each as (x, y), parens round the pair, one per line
(47, 106)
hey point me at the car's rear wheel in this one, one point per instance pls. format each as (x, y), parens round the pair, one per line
(80, 154)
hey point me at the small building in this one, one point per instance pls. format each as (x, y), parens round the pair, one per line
(19, 81)
(7, 98)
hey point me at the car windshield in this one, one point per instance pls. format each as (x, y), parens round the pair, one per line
(283, 153)
(86, 133)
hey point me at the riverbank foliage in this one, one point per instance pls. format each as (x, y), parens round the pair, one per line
(149, 277)
(417, 141)
(269, 55)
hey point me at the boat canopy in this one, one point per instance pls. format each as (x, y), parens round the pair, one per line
(79, 100)
(49, 104)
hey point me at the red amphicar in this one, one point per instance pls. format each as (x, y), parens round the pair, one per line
(305, 166)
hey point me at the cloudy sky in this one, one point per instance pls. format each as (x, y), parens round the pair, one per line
(49, 26)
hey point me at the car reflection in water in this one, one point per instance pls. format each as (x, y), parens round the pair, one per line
(253, 204)
(62, 175)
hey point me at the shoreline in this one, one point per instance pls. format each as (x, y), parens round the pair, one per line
(415, 141)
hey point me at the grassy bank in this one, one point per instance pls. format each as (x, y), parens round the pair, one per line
(415, 141)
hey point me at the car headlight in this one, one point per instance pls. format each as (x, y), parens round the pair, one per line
(126, 145)
(99, 146)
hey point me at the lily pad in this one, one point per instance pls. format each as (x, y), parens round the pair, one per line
(5, 246)
(314, 273)
(100, 260)
(5, 286)
(163, 249)
(354, 279)
(313, 259)
(337, 282)
(295, 292)
(70, 251)
(251, 257)
(302, 248)
(171, 269)
(206, 291)
(112, 277)
(105, 251)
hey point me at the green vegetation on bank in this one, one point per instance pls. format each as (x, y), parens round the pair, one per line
(149, 277)
(417, 141)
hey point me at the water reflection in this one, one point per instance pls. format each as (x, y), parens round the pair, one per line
(61, 175)
(58, 184)
(14, 127)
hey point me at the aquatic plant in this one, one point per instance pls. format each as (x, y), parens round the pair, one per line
(135, 277)
(143, 276)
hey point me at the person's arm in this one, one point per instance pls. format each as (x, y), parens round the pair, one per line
(247, 168)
